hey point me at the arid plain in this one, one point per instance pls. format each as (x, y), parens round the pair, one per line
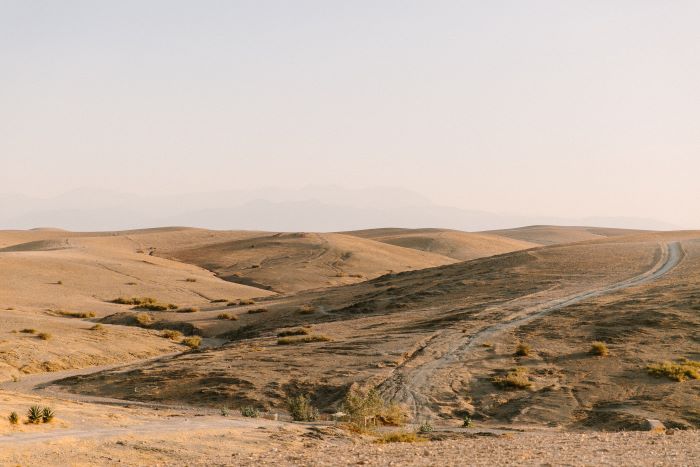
(181, 346)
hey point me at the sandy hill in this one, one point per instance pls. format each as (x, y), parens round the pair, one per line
(462, 246)
(552, 234)
(443, 340)
(290, 262)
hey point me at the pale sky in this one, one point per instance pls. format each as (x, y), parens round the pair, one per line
(557, 108)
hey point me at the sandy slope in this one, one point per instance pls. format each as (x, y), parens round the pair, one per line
(462, 246)
(551, 234)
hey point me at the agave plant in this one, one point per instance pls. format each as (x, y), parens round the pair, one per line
(47, 415)
(34, 414)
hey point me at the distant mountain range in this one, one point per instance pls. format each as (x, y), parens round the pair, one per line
(314, 208)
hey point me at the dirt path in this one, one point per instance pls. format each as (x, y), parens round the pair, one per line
(411, 384)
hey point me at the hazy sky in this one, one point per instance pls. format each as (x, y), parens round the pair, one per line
(561, 108)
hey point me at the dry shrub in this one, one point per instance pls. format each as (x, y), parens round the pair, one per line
(257, 310)
(600, 349)
(193, 342)
(75, 314)
(97, 327)
(28, 331)
(399, 437)
(681, 371)
(190, 279)
(293, 332)
(171, 334)
(517, 378)
(44, 336)
(303, 340)
(306, 310)
(144, 319)
(523, 350)
(189, 309)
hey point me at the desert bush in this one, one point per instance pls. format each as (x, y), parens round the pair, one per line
(47, 414)
(75, 314)
(517, 378)
(171, 334)
(190, 309)
(399, 437)
(134, 300)
(306, 310)
(301, 410)
(44, 336)
(363, 407)
(247, 301)
(28, 331)
(426, 427)
(152, 307)
(97, 327)
(683, 370)
(172, 306)
(13, 418)
(302, 340)
(293, 332)
(257, 310)
(144, 319)
(190, 279)
(225, 412)
(523, 350)
(35, 414)
(600, 349)
(193, 342)
(467, 422)
(393, 415)
(223, 316)
(250, 411)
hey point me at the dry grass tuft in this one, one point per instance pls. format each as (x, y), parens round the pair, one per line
(293, 332)
(523, 350)
(171, 334)
(193, 342)
(75, 314)
(399, 437)
(683, 370)
(302, 340)
(190, 309)
(517, 378)
(44, 336)
(600, 349)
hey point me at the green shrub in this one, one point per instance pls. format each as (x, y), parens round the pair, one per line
(47, 414)
(301, 410)
(517, 378)
(600, 349)
(35, 414)
(250, 411)
(364, 408)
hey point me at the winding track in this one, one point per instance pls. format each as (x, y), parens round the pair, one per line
(411, 384)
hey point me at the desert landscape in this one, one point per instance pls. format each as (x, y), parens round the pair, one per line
(182, 346)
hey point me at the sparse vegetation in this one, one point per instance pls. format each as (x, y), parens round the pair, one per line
(190, 279)
(13, 418)
(171, 334)
(144, 319)
(517, 378)
(257, 310)
(28, 331)
(399, 437)
(293, 332)
(523, 350)
(75, 314)
(193, 342)
(467, 422)
(152, 307)
(247, 301)
(250, 411)
(306, 310)
(44, 336)
(301, 410)
(366, 409)
(97, 327)
(47, 414)
(599, 349)
(226, 316)
(145, 303)
(219, 300)
(189, 309)
(683, 370)
(303, 340)
(426, 427)
(35, 414)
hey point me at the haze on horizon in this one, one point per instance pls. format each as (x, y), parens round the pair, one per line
(540, 108)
